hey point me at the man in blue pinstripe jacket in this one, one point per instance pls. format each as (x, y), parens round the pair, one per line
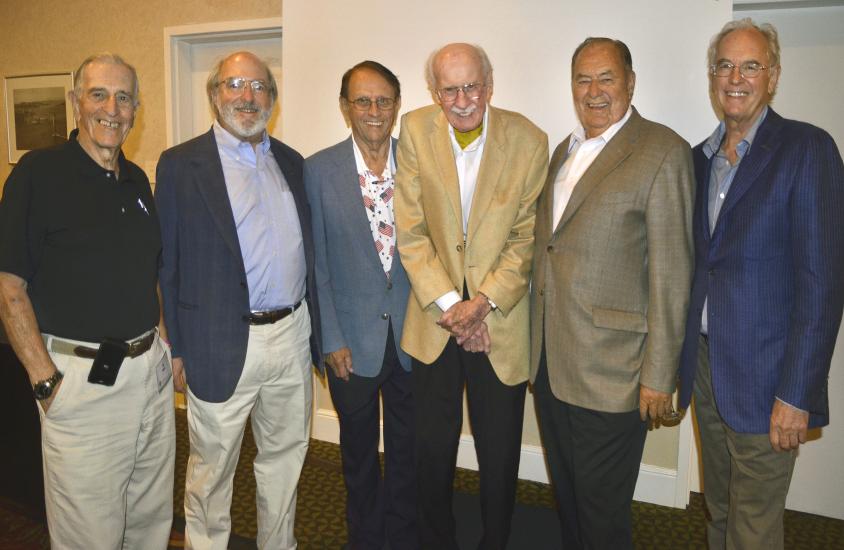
(767, 293)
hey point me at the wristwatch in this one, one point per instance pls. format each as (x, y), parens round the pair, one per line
(44, 388)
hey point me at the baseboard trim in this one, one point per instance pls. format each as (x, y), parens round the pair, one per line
(655, 485)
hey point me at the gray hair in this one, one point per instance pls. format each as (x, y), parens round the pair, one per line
(214, 78)
(486, 66)
(106, 57)
(767, 30)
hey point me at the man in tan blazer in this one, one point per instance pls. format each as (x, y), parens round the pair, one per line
(609, 297)
(466, 188)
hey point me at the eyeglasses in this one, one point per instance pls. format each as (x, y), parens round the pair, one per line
(365, 103)
(471, 91)
(748, 69)
(237, 85)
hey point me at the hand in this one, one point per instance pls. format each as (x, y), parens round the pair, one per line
(789, 426)
(45, 404)
(479, 341)
(180, 382)
(463, 319)
(340, 362)
(653, 403)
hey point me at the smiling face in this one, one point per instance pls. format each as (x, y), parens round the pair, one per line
(455, 66)
(244, 113)
(104, 107)
(743, 99)
(372, 127)
(601, 87)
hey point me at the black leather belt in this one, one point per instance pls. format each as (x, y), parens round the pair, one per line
(136, 347)
(270, 317)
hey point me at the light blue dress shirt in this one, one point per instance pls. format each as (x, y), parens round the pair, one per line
(267, 222)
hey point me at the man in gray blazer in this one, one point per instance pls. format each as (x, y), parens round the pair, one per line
(611, 280)
(363, 292)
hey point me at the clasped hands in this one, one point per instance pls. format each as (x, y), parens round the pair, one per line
(465, 321)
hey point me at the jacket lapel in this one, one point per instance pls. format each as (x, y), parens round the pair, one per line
(547, 205)
(444, 157)
(354, 215)
(703, 167)
(614, 152)
(207, 170)
(489, 172)
(753, 164)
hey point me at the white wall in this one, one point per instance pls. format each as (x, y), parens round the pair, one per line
(529, 42)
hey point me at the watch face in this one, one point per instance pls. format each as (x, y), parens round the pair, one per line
(43, 390)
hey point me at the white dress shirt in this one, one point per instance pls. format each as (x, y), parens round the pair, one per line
(581, 154)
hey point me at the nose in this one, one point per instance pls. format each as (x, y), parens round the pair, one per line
(594, 88)
(111, 105)
(735, 75)
(248, 93)
(373, 108)
(461, 93)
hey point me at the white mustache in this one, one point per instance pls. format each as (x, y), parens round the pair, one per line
(464, 112)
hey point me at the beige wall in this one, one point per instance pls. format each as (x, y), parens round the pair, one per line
(45, 36)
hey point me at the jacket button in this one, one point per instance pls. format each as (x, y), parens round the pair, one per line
(459, 247)
(385, 316)
(550, 248)
(242, 284)
(711, 272)
(541, 292)
(389, 286)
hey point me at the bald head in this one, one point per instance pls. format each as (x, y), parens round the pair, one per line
(236, 59)
(468, 54)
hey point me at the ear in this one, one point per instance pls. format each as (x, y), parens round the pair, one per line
(631, 84)
(344, 108)
(774, 79)
(74, 102)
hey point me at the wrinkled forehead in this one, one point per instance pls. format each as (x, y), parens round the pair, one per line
(106, 74)
(244, 65)
(458, 67)
(743, 45)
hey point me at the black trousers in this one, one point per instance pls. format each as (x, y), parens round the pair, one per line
(495, 411)
(593, 458)
(379, 509)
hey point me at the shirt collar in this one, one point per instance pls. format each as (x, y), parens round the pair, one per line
(475, 145)
(362, 168)
(578, 136)
(232, 145)
(713, 143)
(89, 165)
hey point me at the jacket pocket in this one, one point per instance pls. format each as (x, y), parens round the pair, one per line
(619, 320)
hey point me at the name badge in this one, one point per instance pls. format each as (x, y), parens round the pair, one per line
(163, 371)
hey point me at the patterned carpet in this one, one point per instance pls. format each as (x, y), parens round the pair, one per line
(320, 510)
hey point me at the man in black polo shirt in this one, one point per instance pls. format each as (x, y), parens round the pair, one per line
(78, 269)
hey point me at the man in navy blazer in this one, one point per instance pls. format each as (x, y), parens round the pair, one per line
(363, 292)
(767, 293)
(237, 282)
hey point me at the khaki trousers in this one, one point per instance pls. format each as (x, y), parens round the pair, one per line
(276, 388)
(745, 480)
(109, 455)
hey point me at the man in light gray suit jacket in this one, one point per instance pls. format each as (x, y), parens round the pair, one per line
(361, 279)
(611, 281)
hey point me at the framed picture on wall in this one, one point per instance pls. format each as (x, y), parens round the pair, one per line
(38, 113)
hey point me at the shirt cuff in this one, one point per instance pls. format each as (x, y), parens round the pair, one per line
(447, 300)
(790, 405)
